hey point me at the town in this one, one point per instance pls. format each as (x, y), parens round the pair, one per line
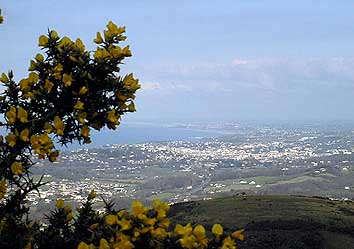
(246, 160)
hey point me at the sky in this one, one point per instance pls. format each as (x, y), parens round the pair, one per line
(204, 60)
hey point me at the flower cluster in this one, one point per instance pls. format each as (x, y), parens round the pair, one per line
(68, 92)
(142, 227)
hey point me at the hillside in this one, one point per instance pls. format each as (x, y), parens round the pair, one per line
(275, 222)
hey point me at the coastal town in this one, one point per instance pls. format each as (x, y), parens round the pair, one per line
(249, 161)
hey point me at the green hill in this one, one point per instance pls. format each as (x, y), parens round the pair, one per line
(275, 222)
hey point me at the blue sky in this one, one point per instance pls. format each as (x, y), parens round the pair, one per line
(210, 60)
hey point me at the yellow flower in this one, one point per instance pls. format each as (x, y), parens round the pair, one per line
(126, 51)
(103, 244)
(183, 230)
(33, 66)
(67, 79)
(159, 233)
(115, 51)
(4, 78)
(138, 209)
(3, 188)
(100, 54)
(111, 219)
(22, 115)
(80, 45)
(24, 84)
(112, 27)
(59, 203)
(58, 69)
(39, 57)
(92, 195)
(81, 117)
(112, 117)
(16, 168)
(54, 34)
(98, 38)
(131, 107)
(68, 209)
(53, 156)
(79, 105)
(11, 140)
(11, 115)
(161, 214)
(48, 85)
(199, 231)
(124, 224)
(65, 42)
(59, 126)
(85, 131)
(238, 234)
(69, 216)
(33, 78)
(217, 230)
(228, 243)
(24, 135)
(165, 223)
(131, 83)
(83, 90)
(83, 245)
(160, 206)
(150, 221)
(48, 127)
(188, 242)
(43, 41)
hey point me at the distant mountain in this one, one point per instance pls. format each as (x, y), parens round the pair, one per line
(276, 222)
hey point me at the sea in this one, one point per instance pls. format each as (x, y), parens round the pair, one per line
(133, 133)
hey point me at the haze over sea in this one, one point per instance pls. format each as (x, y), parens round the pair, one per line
(131, 133)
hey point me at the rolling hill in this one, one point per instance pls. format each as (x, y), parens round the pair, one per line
(274, 222)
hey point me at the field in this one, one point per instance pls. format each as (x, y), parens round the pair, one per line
(276, 221)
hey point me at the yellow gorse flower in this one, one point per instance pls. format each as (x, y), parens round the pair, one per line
(11, 139)
(59, 126)
(217, 230)
(59, 203)
(81, 117)
(238, 234)
(24, 135)
(83, 245)
(3, 188)
(112, 117)
(83, 90)
(228, 243)
(22, 115)
(92, 195)
(48, 85)
(111, 219)
(11, 115)
(16, 168)
(98, 38)
(4, 78)
(67, 80)
(103, 244)
(85, 131)
(79, 105)
(139, 210)
(43, 41)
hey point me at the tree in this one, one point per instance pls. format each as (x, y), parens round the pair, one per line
(68, 92)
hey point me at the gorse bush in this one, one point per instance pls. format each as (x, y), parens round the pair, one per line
(68, 92)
